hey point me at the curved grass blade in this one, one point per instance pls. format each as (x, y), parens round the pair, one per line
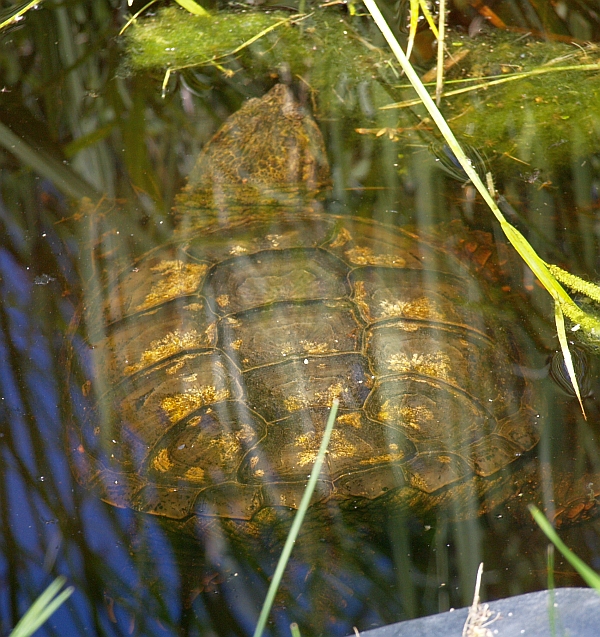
(414, 21)
(295, 529)
(559, 319)
(42, 608)
(590, 576)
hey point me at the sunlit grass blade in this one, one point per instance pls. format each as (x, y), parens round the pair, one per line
(42, 608)
(439, 83)
(297, 523)
(590, 577)
(414, 21)
(564, 346)
(430, 21)
(16, 12)
(135, 16)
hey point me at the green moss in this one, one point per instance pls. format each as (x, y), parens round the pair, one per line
(322, 49)
(542, 118)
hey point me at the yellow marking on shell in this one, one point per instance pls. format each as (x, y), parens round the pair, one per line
(360, 298)
(393, 456)
(444, 459)
(353, 419)
(294, 403)
(210, 334)
(246, 433)
(330, 394)
(342, 238)
(274, 239)
(227, 446)
(406, 327)
(177, 406)
(222, 300)
(161, 461)
(309, 443)
(170, 344)
(365, 256)
(436, 364)
(237, 344)
(176, 279)
(195, 474)
(421, 308)
(287, 349)
(418, 482)
(233, 322)
(237, 250)
(311, 347)
(259, 473)
(173, 369)
(404, 415)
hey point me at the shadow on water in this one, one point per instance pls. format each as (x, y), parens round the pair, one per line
(66, 98)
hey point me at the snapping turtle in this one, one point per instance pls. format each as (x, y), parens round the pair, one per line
(217, 355)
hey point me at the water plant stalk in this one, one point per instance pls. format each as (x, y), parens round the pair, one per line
(297, 523)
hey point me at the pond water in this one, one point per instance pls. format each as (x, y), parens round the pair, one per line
(87, 129)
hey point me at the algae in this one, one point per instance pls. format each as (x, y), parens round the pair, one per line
(547, 113)
(321, 48)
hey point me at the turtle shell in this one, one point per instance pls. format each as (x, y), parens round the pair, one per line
(216, 358)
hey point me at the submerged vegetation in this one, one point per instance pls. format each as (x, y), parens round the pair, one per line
(508, 95)
(528, 114)
(322, 49)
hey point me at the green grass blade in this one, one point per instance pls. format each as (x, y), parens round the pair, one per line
(414, 23)
(590, 576)
(42, 608)
(559, 319)
(63, 178)
(295, 630)
(293, 534)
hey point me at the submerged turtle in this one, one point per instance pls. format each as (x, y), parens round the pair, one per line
(216, 356)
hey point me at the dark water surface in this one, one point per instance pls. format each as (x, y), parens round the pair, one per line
(133, 574)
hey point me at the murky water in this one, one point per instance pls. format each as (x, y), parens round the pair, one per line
(140, 574)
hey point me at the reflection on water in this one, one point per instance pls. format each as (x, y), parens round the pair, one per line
(355, 564)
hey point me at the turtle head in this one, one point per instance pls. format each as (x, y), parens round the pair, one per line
(270, 150)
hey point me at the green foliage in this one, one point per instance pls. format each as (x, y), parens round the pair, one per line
(590, 577)
(550, 109)
(323, 49)
(43, 607)
(298, 520)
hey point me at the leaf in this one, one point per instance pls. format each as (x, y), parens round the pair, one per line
(193, 7)
(564, 346)
(590, 577)
(414, 20)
